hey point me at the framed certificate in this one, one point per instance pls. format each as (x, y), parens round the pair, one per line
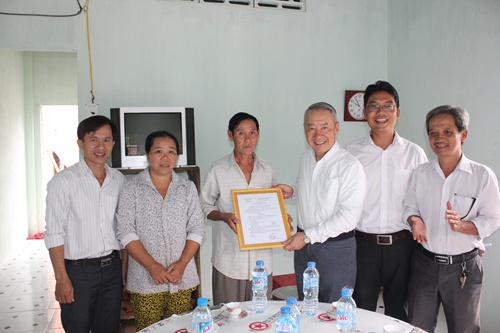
(262, 213)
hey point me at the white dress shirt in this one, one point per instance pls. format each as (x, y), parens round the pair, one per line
(330, 193)
(388, 173)
(222, 177)
(472, 188)
(80, 213)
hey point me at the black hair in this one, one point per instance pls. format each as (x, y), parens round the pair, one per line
(238, 118)
(381, 86)
(92, 124)
(160, 134)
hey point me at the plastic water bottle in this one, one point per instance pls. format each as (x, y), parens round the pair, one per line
(294, 312)
(285, 323)
(202, 319)
(259, 288)
(310, 289)
(346, 311)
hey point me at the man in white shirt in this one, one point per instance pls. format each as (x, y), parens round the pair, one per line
(80, 234)
(330, 190)
(452, 204)
(384, 242)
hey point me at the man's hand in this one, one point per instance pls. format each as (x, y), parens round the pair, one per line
(296, 242)
(286, 190)
(231, 221)
(290, 220)
(418, 229)
(64, 291)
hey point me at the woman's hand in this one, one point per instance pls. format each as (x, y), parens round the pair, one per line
(158, 273)
(176, 272)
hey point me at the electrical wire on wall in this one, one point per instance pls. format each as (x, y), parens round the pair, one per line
(46, 15)
(92, 108)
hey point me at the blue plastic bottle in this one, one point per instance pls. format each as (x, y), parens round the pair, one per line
(202, 318)
(285, 323)
(259, 288)
(294, 312)
(346, 312)
(310, 289)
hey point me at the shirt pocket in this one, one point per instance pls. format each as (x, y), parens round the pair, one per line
(465, 206)
(327, 197)
(400, 183)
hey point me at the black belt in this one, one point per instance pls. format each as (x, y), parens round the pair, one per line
(448, 260)
(340, 237)
(383, 239)
(96, 262)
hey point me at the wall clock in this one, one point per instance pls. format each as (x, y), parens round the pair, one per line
(353, 107)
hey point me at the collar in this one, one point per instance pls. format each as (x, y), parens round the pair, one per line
(145, 178)
(84, 169)
(397, 140)
(464, 165)
(329, 155)
(232, 161)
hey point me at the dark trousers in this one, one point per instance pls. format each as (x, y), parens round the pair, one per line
(336, 263)
(432, 284)
(226, 289)
(98, 298)
(387, 266)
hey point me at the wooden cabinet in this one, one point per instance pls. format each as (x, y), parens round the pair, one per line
(193, 173)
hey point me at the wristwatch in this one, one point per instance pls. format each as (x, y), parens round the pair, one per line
(307, 240)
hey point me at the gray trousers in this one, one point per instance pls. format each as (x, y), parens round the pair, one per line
(336, 263)
(433, 284)
(226, 289)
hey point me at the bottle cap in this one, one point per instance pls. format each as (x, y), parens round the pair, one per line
(311, 264)
(260, 262)
(202, 301)
(291, 301)
(347, 291)
(285, 310)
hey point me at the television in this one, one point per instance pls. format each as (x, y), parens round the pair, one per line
(136, 123)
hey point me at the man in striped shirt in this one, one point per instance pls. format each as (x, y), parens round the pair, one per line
(81, 234)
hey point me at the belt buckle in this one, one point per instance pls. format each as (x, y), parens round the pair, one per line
(443, 260)
(384, 239)
(106, 262)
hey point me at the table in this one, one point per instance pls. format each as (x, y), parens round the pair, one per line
(367, 321)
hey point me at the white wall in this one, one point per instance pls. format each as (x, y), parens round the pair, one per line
(220, 60)
(448, 52)
(13, 204)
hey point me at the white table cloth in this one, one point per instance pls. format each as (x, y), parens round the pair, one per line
(367, 321)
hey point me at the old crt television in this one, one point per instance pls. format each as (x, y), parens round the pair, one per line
(136, 123)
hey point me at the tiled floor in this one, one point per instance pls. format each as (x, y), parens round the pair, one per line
(27, 302)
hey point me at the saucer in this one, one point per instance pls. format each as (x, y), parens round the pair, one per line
(227, 315)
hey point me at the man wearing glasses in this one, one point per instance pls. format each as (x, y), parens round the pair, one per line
(452, 204)
(384, 242)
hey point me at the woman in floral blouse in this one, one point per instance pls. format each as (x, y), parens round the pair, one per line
(161, 225)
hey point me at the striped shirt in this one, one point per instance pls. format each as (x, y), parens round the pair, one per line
(80, 213)
(222, 177)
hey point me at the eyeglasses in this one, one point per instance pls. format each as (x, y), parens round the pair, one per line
(385, 107)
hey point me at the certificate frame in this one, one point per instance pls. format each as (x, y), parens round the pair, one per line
(257, 206)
